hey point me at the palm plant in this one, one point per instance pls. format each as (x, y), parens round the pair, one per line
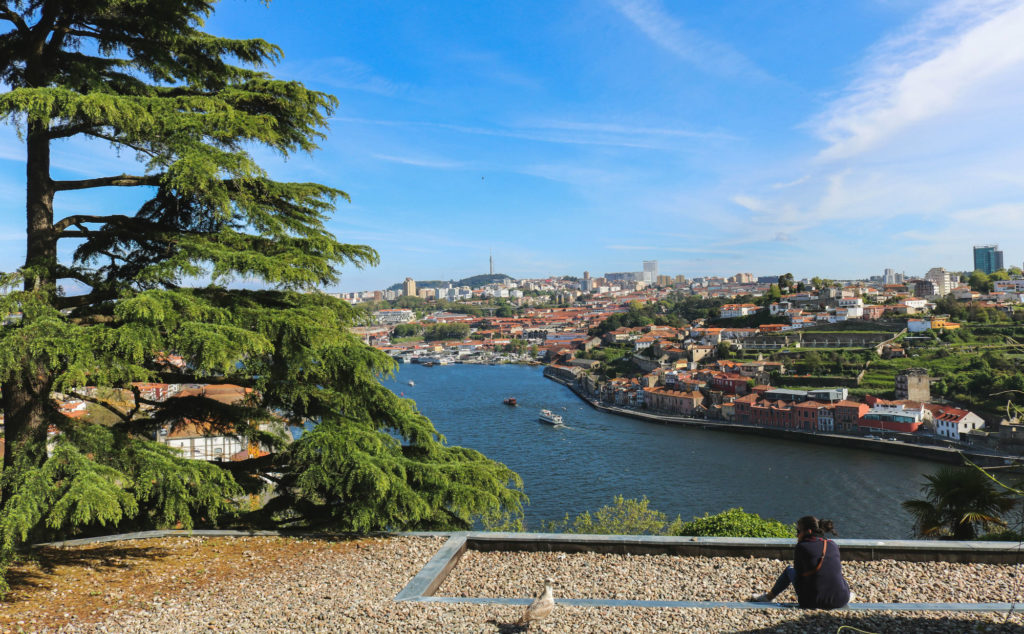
(958, 501)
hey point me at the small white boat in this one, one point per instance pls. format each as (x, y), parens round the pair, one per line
(412, 383)
(549, 417)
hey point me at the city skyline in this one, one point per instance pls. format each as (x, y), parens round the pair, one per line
(714, 139)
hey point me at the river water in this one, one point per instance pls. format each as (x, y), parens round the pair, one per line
(683, 471)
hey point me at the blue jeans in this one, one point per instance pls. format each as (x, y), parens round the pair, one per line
(785, 580)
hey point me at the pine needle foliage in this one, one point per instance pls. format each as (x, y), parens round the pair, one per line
(142, 76)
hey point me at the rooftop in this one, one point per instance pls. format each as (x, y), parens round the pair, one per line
(262, 583)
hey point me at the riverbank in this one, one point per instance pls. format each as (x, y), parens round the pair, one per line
(936, 454)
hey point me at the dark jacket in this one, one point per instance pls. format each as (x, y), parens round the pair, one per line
(825, 589)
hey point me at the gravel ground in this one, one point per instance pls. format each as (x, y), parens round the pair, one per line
(669, 578)
(349, 587)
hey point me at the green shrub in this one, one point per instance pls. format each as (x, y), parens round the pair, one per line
(732, 523)
(1002, 536)
(622, 517)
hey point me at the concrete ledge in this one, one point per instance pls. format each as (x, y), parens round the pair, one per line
(733, 605)
(158, 534)
(852, 549)
(434, 573)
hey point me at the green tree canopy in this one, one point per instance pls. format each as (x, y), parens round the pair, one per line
(441, 332)
(144, 77)
(979, 281)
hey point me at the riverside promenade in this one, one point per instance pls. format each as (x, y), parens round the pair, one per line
(948, 455)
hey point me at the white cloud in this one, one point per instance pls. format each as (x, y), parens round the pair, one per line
(959, 56)
(420, 162)
(687, 44)
(749, 202)
(344, 73)
(628, 130)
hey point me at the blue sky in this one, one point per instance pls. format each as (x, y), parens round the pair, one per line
(821, 138)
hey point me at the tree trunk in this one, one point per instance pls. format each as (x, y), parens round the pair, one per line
(26, 399)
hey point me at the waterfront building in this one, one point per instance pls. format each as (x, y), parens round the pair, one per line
(847, 413)
(892, 417)
(826, 417)
(988, 258)
(829, 395)
(669, 401)
(788, 396)
(952, 423)
(805, 415)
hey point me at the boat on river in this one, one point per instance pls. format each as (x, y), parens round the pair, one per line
(549, 417)
(412, 383)
(510, 401)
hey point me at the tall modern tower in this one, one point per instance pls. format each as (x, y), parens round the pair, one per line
(650, 271)
(988, 258)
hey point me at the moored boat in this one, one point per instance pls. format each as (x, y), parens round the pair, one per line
(549, 417)
(510, 401)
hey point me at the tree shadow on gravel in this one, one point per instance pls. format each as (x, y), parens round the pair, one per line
(40, 566)
(889, 624)
(508, 628)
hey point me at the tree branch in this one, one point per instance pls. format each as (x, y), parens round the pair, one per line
(78, 301)
(178, 377)
(115, 140)
(80, 219)
(72, 274)
(124, 180)
(62, 131)
(126, 418)
(15, 19)
(91, 320)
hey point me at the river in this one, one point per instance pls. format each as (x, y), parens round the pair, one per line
(683, 471)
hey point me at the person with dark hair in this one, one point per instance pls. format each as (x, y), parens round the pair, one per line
(816, 573)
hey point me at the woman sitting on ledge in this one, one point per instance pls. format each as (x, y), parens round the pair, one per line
(816, 573)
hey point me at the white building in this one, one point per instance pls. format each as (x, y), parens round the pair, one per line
(391, 316)
(1008, 286)
(739, 310)
(942, 279)
(951, 422)
(197, 442)
(853, 307)
(826, 419)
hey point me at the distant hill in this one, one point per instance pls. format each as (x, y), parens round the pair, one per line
(475, 281)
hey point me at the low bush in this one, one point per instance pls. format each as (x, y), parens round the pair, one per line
(733, 523)
(622, 517)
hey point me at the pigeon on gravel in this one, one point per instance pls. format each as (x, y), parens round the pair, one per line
(541, 606)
